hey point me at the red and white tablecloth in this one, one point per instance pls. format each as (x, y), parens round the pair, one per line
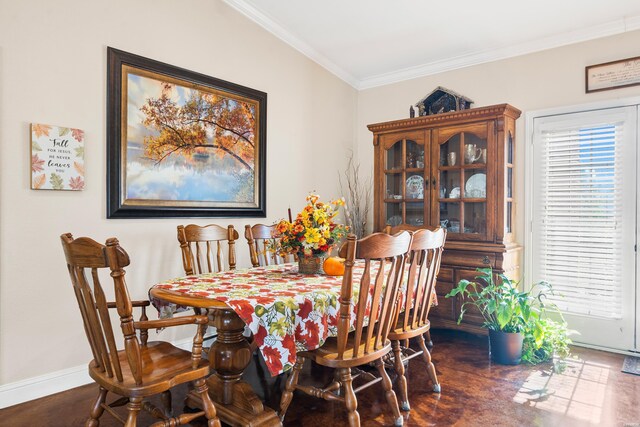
(286, 311)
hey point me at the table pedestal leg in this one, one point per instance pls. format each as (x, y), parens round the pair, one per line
(235, 401)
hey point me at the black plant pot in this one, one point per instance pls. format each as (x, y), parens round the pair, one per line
(505, 348)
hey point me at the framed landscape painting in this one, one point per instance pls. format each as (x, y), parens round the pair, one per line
(182, 144)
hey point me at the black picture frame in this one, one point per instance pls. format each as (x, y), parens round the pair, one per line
(121, 67)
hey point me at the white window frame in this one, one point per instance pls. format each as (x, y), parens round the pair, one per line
(528, 167)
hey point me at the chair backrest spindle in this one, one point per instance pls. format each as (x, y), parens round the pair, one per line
(384, 260)
(424, 265)
(203, 248)
(262, 244)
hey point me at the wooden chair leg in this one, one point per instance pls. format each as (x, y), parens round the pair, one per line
(201, 388)
(389, 394)
(427, 336)
(134, 406)
(350, 399)
(401, 380)
(97, 410)
(289, 387)
(166, 400)
(431, 369)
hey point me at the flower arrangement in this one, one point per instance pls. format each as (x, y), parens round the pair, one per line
(314, 231)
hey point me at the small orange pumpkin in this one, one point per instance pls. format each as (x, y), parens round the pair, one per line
(333, 266)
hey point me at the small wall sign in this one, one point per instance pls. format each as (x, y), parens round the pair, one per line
(57, 158)
(613, 75)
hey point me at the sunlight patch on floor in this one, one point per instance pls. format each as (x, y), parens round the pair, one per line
(577, 392)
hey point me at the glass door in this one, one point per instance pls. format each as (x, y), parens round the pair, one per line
(461, 172)
(405, 184)
(585, 220)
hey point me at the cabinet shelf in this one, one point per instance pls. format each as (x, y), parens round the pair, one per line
(403, 200)
(458, 167)
(463, 199)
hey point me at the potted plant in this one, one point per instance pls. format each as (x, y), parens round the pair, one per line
(518, 321)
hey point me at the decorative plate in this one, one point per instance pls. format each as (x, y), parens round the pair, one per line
(455, 193)
(415, 187)
(476, 186)
(394, 220)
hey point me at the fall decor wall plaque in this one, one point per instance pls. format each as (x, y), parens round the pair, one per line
(57, 158)
(182, 144)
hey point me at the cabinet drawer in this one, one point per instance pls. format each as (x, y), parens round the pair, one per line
(445, 274)
(446, 306)
(469, 258)
(443, 288)
(468, 274)
(472, 315)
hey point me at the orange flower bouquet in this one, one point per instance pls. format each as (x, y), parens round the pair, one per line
(313, 233)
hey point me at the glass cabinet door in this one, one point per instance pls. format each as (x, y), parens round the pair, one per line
(462, 180)
(404, 182)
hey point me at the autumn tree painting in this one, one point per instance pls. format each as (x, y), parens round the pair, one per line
(187, 143)
(181, 143)
(206, 121)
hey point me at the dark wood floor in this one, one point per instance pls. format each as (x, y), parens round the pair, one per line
(590, 391)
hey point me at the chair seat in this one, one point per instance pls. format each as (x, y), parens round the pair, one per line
(398, 333)
(327, 355)
(163, 367)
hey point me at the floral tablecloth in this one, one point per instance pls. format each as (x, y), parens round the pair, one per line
(286, 311)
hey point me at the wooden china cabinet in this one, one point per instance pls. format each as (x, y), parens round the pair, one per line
(455, 170)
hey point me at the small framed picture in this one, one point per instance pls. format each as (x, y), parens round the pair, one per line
(57, 158)
(612, 75)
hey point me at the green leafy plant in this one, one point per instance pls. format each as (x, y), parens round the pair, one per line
(506, 308)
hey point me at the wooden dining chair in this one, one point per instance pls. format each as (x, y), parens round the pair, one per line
(411, 228)
(202, 248)
(142, 368)
(412, 316)
(383, 259)
(262, 243)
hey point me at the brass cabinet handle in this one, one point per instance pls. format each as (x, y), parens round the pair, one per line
(486, 260)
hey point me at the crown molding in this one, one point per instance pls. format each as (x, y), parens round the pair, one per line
(597, 31)
(558, 40)
(280, 32)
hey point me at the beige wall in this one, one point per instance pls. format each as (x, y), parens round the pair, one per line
(531, 82)
(53, 70)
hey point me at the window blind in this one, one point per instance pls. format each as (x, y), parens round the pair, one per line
(579, 213)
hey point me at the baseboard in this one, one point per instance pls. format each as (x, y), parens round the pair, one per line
(43, 385)
(54, 382)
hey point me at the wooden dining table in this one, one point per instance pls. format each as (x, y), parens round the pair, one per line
(285, 311)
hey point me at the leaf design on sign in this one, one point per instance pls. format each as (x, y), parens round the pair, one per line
(77, 134)
(79, 151)
(64, 131)
(35, 146)
(79, 167)
(76, 183)
(40, 130)
(39, 181)
(56, 181)
(36, 163)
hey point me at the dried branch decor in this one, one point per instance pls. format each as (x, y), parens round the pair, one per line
(357, 195)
